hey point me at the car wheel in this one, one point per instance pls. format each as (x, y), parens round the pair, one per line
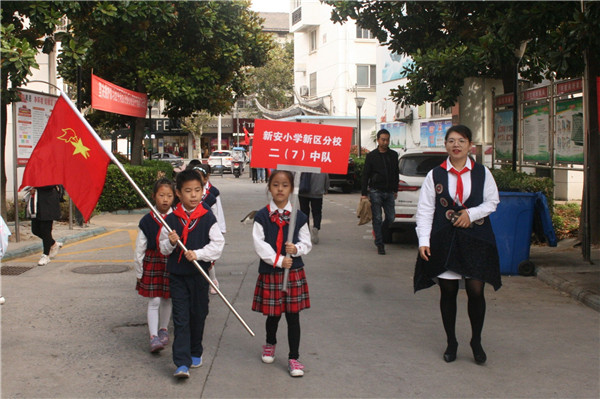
(346, 189)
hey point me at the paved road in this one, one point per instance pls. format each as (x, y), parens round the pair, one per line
(68, 334)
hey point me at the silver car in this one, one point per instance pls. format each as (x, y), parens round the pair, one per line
(414, 166)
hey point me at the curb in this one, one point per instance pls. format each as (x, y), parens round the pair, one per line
(37, 247)
(584, 296)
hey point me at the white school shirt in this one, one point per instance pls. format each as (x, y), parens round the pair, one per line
(426, 205)
(209, 253)
(266, 252)
(141, 244)
(217, 210)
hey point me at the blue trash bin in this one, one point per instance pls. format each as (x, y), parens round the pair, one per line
(512, 224)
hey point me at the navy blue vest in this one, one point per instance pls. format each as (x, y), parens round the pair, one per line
(214, 191)
(198, 237)
(209, 199)
(151, 229)
(271, 229)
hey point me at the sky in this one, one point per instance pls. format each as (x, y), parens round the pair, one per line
(271, 5)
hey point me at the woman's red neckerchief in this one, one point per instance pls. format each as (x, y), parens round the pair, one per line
(280, 219)
(188, 217)
(459, 182)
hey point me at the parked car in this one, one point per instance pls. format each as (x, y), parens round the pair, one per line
(218, 158)
(175, 160)
(414, 166)
(345, 181)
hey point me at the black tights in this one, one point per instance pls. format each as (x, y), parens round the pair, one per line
(476, 307)
(293, 322)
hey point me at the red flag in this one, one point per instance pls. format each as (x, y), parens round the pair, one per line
(246, 138)
(68, 153)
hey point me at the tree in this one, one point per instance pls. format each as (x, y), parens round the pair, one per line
(452, 40)
(193, 55)
(273, 83)
(195, 124)
(27, 28)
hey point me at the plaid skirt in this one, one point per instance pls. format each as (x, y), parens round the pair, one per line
(270, 301)
(155, 278)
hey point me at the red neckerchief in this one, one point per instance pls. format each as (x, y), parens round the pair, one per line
(280, 219)
(459, 182)
(181, 213)
(159, 226)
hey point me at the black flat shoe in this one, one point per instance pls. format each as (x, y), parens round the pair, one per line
(478, 353)
(450, 354)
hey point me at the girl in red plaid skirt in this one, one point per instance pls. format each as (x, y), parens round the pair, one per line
(150, 266)
(271, 225)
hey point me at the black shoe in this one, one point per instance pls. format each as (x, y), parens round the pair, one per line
(450, 354)
(478, 353)
(381, 250)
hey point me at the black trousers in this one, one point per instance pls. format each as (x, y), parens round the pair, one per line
(314, 204)
(189, 296)
(43, 229)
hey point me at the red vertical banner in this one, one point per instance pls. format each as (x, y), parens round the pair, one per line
(301, 144)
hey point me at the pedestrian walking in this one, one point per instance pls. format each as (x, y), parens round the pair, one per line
(456, 241)
(380, 184)
(197, 227)
(271, 225)
(260, 175)
(212, 197)
(43, 206)
(151, 266)
(310, 195)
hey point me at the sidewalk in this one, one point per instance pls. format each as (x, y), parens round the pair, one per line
(30, 244)
(564, 268)
(561, 267)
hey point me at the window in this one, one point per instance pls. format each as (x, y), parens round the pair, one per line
(437, 110)
(366, 75)
(313, 84)
(313, 40)
(363, 33)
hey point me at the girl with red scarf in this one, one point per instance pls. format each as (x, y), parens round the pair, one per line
(269, 232)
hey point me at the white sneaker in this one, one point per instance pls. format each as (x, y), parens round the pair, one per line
(295, 368)
(44, 260)
(314, 235)
(54, 249)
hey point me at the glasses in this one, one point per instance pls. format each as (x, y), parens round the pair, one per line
(461, 142)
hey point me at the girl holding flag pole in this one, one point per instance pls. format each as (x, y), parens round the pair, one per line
(270, 228)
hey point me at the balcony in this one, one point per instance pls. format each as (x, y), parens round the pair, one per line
(305, 17)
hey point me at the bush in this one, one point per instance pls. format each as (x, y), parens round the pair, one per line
(566, 220)
(359, 166)
(508, 180)
(119, 194)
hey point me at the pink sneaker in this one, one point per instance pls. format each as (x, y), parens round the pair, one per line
(155, 344)
(296, 368)
(163, 336)
(268, 353)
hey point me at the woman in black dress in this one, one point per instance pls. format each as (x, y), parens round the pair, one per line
(456, 241)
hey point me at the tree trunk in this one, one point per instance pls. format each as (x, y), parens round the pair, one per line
(593, 177)
(3, 148)
(136, 144)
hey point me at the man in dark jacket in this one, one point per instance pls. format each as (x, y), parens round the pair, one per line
(380, 182)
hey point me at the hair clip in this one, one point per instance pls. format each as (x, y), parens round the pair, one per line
(199, 168)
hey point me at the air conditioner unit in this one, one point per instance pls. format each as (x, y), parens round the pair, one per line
(304, 91)
(403, 114)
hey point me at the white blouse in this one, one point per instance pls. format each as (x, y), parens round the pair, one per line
(426, 206)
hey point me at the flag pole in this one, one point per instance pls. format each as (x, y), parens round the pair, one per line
(156, 213)
(297, 171)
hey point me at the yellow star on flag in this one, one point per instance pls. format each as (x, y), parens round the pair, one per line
(80, 148)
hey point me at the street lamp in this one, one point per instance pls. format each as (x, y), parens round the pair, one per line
(519, 52)
(359, 103)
